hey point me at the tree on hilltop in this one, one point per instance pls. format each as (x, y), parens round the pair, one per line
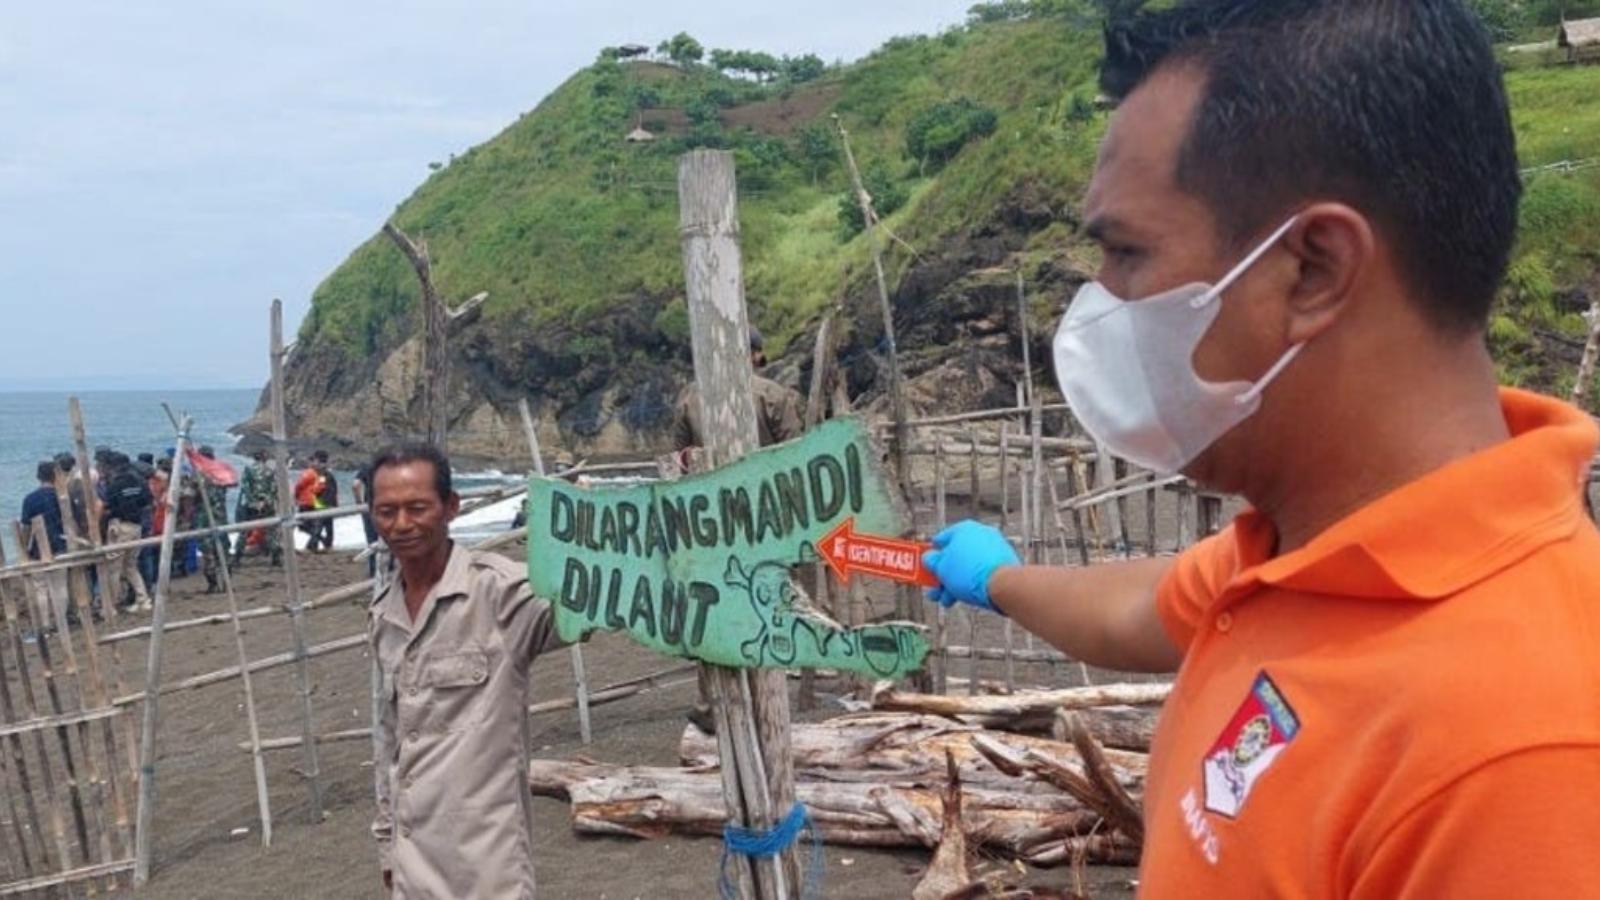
(682, 49)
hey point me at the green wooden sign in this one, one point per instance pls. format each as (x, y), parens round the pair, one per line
(700, 567)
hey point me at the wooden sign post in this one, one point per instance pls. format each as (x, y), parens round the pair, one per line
(758, 774)
(701, 567)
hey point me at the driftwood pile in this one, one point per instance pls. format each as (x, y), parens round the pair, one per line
(1045, 777)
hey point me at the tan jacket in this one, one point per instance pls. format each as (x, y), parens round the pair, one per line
(454, 817)
(780, 415)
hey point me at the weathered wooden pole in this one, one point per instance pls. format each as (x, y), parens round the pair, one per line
(287, 519)
(751, 707)
(152, 673)
(580, 677)
(910, 605)
(822, 359)
(897, 397)
(436, 319)
(435, 324)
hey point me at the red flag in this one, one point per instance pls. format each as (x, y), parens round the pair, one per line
(216, 471)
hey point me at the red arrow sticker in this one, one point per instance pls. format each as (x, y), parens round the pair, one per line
(848, 553)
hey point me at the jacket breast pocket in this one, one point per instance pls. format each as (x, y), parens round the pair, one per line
(454, 688)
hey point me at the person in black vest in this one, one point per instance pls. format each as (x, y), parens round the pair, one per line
(128, 507)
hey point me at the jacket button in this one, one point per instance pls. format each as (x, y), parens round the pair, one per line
(412, 737)
(1225, 622)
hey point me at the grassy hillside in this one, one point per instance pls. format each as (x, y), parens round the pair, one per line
(1556, 111)
(572, 229)
(560, 219)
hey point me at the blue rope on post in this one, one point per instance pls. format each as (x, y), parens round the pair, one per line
(758, 844)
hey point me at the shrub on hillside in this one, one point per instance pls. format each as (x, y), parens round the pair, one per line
(939, 132)
(887, 196)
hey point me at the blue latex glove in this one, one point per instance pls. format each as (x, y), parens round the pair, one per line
(965, 555)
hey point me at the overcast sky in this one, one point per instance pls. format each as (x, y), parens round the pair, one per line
(167, 168)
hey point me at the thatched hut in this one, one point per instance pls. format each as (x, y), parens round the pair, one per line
(1581, 40)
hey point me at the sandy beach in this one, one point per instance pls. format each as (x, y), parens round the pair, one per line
(205, 788)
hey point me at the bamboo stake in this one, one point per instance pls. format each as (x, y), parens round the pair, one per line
(43, 882)
(1119, 469)
(940, 635)
(579, 677)
(44, 608)
(96, 790)
(816, 408)
(338, 595)
(84, 601)
(30, 708)
(983, 415)
(1150, 514)
(975, 488)
(220, 548)
(152, 675)
(751, 709)
(1591, 352)
(897, 398)
(910, 605)
(291, 565)
(655, 681)
(1005, 516)
(1186, 516)
(854, 599)
(19, 757)
(24, 862)
(229, 673)
(14, 816)
(108, 605)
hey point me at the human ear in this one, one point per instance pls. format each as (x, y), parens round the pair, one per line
(1334, 245)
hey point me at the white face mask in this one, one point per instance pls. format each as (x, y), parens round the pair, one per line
(1127, 370)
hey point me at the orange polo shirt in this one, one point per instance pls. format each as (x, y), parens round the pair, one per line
(1406, 707)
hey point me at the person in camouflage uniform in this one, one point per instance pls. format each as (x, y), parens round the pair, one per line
(214, 515)
(258, 499)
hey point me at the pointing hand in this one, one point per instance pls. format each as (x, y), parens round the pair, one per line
(964, 557)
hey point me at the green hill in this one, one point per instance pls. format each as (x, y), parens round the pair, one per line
(985, 135)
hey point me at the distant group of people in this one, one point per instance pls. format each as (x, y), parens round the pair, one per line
(128, 503)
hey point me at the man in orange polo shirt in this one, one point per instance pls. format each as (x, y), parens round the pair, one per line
(1389, 668)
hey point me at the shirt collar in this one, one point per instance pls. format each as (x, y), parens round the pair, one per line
(1451, 528)
(455, 582)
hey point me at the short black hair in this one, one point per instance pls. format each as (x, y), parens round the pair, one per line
(46, 471)
(1395, 107)
(320, 456)
(400, 454)
(66, 462)
(147, 457)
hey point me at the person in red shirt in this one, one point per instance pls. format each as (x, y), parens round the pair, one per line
(1388, 667)
(308, 491)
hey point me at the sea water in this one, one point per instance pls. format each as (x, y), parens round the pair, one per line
(35, 426)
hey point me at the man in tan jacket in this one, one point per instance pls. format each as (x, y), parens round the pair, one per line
(454, 635)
